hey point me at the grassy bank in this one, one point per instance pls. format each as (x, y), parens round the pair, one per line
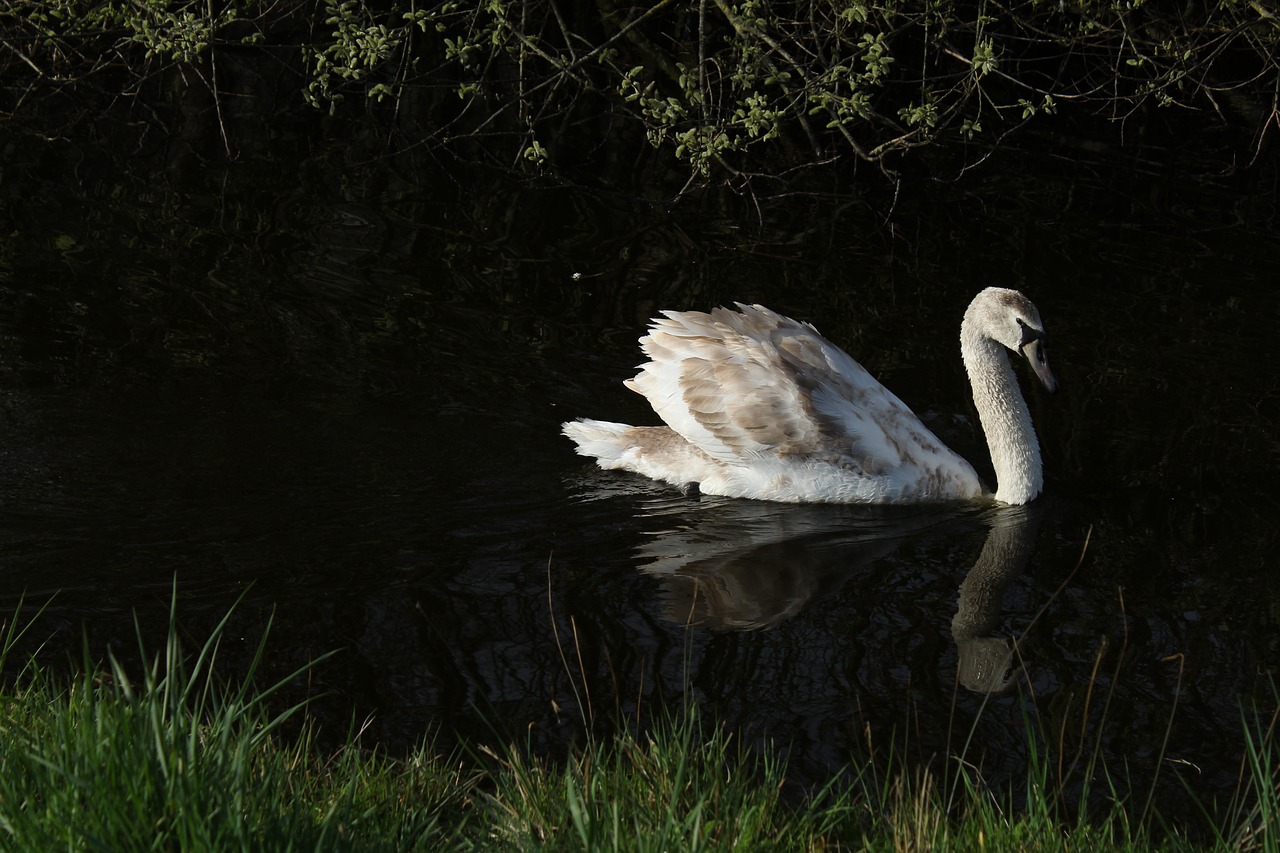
(172, 759)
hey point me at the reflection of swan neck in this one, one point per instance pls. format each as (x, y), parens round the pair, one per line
(985, 660)
(1004, 555)
(1015, 453)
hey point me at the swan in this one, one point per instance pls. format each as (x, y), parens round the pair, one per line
(758, 405)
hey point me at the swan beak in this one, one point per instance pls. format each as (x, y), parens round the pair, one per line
(1034, 351)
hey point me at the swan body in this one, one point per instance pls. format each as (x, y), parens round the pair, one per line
(761, 406)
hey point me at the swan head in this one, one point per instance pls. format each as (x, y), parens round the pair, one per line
(1009, 318)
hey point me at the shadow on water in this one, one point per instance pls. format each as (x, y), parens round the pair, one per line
(336, 389)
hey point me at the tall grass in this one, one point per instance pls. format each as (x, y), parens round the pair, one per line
(680, 787)
(171, 758)
(1256, 806)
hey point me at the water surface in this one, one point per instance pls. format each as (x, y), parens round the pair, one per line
(336, 392)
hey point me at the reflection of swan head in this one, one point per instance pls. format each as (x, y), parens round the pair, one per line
(758, 405)
(986, 664)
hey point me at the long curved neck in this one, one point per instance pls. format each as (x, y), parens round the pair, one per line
(1015, 452)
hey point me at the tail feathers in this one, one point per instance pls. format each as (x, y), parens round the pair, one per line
(657, 452)
(604, 440)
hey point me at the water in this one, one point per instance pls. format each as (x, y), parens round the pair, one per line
(334, 394)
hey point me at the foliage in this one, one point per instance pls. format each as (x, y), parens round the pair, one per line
(707, 80)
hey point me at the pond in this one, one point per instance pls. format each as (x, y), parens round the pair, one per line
(331, 392)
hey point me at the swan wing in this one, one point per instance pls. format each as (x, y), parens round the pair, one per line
(751, 386)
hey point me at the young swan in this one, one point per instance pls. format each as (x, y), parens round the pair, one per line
(761, 406)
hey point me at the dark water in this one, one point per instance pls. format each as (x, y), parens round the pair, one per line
(334, 389)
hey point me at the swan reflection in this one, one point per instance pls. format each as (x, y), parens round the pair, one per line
(731, 565)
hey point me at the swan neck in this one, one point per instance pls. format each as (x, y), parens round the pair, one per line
(1006, 420)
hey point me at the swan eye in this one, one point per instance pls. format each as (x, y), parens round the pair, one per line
(1029, 334)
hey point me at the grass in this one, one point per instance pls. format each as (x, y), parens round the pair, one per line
(171, 758)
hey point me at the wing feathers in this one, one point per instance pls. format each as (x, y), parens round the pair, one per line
(742, 384)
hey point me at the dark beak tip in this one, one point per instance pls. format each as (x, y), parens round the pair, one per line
(1032, 353)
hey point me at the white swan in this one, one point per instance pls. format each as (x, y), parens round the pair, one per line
(761, 406)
